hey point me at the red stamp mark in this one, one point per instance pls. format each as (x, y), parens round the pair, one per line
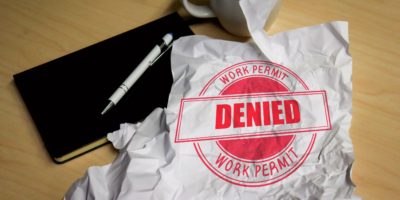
(251, 114)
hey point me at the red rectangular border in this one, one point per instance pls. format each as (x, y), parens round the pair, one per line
(254, 134)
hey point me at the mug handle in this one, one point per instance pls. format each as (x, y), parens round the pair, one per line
(200, 11)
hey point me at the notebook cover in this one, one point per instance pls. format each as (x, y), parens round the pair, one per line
(66, 96)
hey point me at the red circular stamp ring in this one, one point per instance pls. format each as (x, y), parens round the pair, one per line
(254, 162)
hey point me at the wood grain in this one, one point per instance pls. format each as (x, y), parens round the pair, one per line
(36, 31)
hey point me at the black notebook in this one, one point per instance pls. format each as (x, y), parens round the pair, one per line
(66, 96)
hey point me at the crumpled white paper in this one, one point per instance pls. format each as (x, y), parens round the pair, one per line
(160, 159)
(135, 173)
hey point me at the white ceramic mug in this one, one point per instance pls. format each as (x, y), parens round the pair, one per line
(228, 13)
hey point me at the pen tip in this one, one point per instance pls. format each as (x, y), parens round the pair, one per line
(109, 106)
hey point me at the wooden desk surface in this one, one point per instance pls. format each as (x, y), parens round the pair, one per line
(35, 31)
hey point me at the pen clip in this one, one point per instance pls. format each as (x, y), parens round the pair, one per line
(159, 56)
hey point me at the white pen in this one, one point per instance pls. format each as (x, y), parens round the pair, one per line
(148, 61)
